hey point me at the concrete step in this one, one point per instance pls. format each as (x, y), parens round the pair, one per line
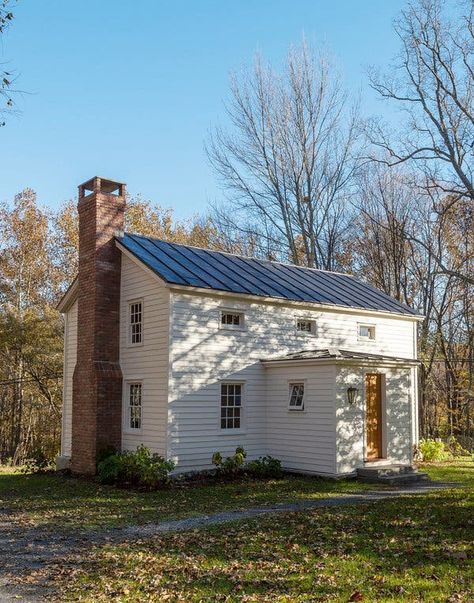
(404, 478)
(391, 474)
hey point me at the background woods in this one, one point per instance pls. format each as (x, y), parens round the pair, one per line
(38, 260)
(306, 179)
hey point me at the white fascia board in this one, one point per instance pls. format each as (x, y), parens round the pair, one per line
(69, 297)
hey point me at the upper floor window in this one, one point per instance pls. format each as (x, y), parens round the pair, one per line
(305, 325)
(231, 405)
(136, 322)
(296, 399)
(232, 320)
(366, 332)
(134, 418)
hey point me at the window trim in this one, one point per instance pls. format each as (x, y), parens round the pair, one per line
(129, 322)
(237, 311)
(312, 321)
(127, 406)
(232, 430)
(370, 326)
(291, 384)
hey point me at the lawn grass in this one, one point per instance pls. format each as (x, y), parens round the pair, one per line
(411, 549)
(66, 502)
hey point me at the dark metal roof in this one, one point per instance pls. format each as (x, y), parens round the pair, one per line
(337, 354)
(195, 267)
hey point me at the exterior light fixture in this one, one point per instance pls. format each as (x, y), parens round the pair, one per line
(351, 394)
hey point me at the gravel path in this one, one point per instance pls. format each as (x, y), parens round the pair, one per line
(28, 550)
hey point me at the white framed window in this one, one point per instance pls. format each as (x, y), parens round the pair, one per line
(135, 322)
(231, 405)
(366, 332)
(296, 396)
(232, 319)
(134, 405)
(306, 326)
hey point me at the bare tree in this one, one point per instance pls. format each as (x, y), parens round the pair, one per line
(289, 160)
(6, 77)
(433, 83)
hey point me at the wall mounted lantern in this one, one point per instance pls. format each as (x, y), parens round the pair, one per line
(352, 395)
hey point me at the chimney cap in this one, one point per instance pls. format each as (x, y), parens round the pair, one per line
(101, 185)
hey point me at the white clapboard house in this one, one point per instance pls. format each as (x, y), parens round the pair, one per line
(190, 351)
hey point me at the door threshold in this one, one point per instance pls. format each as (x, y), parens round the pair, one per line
(376, 462)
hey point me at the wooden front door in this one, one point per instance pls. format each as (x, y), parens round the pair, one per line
(373, 392)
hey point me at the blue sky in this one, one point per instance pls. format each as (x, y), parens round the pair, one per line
(129, 90)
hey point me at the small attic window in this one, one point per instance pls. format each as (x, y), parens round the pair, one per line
(366, 332)
(305, 326)
(231, 319)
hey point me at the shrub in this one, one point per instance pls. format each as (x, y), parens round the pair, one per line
(139, 468)
(265, 466)
(109, 470)
(105, 453)
(434, 450)
(232, 465)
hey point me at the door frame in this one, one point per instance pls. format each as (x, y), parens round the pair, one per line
(383, 415)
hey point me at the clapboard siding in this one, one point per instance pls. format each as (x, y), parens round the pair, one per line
(202, 355)
(70, 356)
(397, 416)
(148, 362)
(302, 440)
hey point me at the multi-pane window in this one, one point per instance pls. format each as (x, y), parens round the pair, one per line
(367, 332)
(304, 325)
(231, 405)
(136, 322)
(232, 320)
(135, 405)
(296, 400)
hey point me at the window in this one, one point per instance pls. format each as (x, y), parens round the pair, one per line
(306, 326)
(134, 406)
(296, 401)
(366, 332)
(136, 322)
(232, 320)
(231, 405)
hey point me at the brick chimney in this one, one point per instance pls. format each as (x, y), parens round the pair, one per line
(97, 380)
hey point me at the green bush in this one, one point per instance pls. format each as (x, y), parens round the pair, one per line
(140, 469)
(434, 450)
(265, 466)
(232, 465)
(105, 453)
(109, 470)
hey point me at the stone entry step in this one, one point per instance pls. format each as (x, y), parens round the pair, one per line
(391, 474)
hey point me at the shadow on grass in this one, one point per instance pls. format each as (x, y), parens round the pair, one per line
(69, 502)
(405, 550)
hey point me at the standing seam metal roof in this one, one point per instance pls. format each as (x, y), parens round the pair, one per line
(220, 271)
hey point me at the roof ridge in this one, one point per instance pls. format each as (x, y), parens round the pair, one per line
(239, 255)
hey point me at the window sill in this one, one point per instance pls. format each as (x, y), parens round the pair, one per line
(227, 432)
(300, 411)
(132, 431)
